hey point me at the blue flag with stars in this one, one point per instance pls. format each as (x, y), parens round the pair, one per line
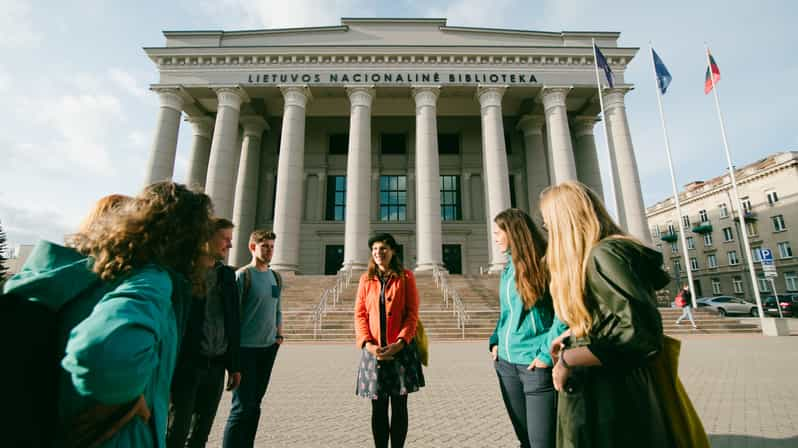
(601, 62)
(663, 75)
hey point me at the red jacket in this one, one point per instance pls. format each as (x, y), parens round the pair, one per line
(401, 309)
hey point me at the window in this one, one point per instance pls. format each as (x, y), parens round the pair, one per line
(690, 242)
(746, 204)
(707, 239)
(772, 197)
(785, 251)
(677, 267)
(716, 286)
(750, 228)
(757, 255)
(737, 283)
(339, 144)
(671, 229)
(675, 247)
(693, 263)
(778, 223)
(702, 216)
(393, 143)
(733, 257)
(724, 212)
(686, 221)
(448, 144)
(728, 235)
(791, 278)
(712, 261)
(393, 198)
(450, 198)
(336, 198)
(764, 284)
(655, 231)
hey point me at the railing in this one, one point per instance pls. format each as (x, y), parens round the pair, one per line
(342, 280)
(449, 292)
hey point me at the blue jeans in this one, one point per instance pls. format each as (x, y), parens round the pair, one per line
(256, 370)
(531, 402)
(196, 390)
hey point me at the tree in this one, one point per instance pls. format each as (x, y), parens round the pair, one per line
(3, 258)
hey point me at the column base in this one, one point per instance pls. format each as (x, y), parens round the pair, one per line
(355, 266)
(285, 268)
(428, 268)
(496, 268)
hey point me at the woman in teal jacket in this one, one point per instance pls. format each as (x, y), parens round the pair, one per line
(119, 292)
(519, 345)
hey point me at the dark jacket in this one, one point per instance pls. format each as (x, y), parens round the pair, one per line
(614, 405)
(190, 348)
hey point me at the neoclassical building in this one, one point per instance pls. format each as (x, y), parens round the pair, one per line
(410, 126)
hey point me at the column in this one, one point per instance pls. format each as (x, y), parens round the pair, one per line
(358, 175)
(161, 163)
(246, 195)
(290, 169)
(585, 155)
(497, 184)
(266, 197)
(428, 180)
(322, 176)
(537, 170)
(628, 191)
(465, 195)
(220, 184)
(200, 151)
(561, 151)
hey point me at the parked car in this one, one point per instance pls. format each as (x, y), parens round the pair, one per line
(728, 305)
(787, 302)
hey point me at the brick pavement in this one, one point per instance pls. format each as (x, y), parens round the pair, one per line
(745, 400)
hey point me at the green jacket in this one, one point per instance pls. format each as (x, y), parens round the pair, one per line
(523, 335)
(615, 405)
(120, 339)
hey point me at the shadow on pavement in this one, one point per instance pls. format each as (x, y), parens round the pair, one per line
(734, 440)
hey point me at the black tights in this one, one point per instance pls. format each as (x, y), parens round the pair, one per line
(397, 428)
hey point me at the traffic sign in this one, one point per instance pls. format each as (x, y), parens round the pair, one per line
(766, 255)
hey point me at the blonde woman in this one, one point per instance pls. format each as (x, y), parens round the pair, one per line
(602, 283)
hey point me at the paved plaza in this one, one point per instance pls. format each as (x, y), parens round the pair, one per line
(744, 388)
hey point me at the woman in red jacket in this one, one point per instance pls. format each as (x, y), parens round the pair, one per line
(386, 314)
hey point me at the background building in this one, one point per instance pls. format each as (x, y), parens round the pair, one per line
(768, 190)
(410, 126)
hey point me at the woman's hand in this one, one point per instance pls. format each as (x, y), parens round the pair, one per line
(537, 364)
(372, 348)
(387, 353)
(560, 375)
(557, 346)
(494, 353)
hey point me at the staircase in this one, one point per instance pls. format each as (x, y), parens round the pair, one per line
(479, 296)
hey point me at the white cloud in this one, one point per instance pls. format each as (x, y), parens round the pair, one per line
(246, 14)
(27, 223)
(5, 80)
(17, 25)
(127, 82)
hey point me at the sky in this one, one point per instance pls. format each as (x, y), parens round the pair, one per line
(78, 118)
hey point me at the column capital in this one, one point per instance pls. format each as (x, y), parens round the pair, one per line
(254, 125)
(614, 97)
(489, 96)
(553, 96)
(426, 96)
(170, 97)
(321, 174)
(360, 95)
(467, 175)
(202, 125)
(295, 94)
(531, 124)
(584, 124)
(231, 97)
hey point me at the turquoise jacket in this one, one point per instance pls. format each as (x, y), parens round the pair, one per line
(120, 339)
(523, 335)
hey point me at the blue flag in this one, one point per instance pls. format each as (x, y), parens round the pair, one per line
(663, 75)
(601, 61)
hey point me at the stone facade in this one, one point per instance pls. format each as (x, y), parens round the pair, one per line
(409, 126)
(768, 191)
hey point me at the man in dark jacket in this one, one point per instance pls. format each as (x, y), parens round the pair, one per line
(209, 346)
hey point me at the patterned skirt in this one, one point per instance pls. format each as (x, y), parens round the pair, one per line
(380, 379)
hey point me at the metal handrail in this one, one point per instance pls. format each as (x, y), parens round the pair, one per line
(449, 292)
(342, 280)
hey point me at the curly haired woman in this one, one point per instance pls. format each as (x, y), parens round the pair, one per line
(118, 290)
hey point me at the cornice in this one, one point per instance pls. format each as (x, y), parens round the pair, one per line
(381, 56)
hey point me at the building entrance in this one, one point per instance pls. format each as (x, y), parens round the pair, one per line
(452, 258)
(333, 259)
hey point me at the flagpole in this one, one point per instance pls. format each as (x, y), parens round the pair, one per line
(736, 200)
(676, 200)
(606, 133)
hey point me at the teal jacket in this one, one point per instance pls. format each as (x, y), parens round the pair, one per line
(523, 335)
(120, 339)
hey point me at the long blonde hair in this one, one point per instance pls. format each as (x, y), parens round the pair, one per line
(576, 221)
(527, 246)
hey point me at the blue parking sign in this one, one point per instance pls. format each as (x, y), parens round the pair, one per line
(766, 255)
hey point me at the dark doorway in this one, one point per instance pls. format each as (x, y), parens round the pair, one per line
(697, 289)
(333, 259)
(452, 258)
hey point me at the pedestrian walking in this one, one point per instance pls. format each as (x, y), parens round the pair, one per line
(684, 300)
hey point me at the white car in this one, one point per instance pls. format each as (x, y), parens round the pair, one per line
(727, 305)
